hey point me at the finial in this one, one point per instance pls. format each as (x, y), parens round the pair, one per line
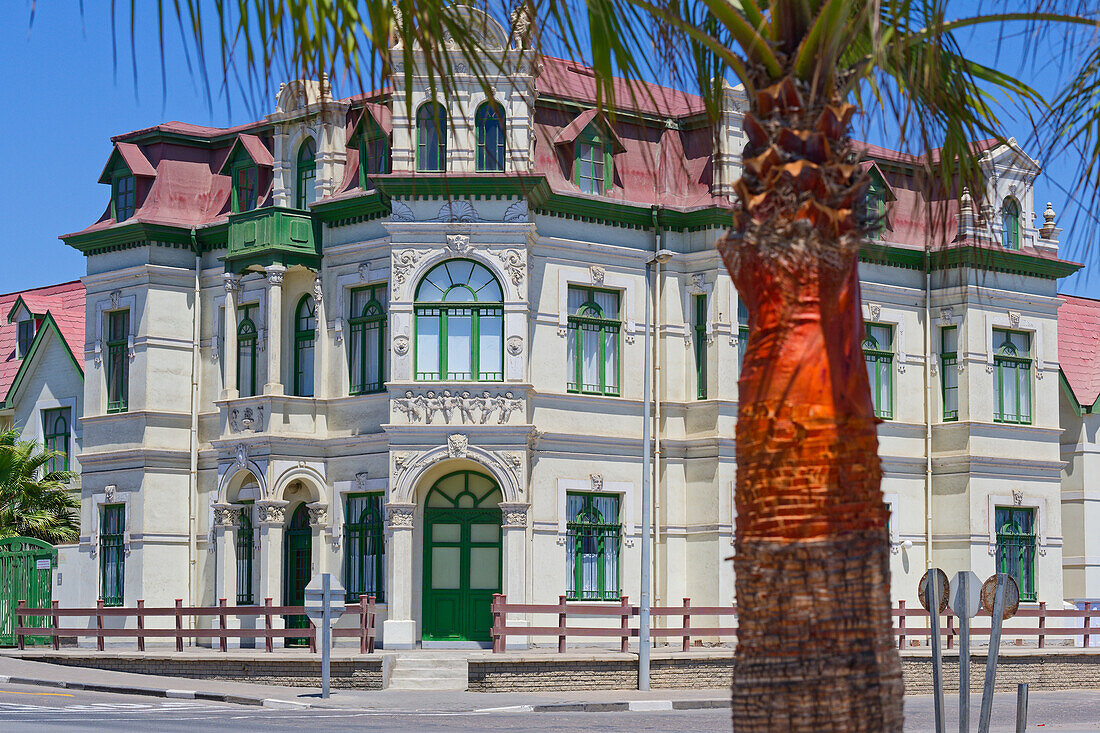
(966, 203)
(1047, 231)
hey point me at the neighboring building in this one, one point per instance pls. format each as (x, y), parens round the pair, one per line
(430, 384)
(1079, 355)
(41, 376)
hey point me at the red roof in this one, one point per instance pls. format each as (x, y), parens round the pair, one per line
(64, 302)
(1079, 346)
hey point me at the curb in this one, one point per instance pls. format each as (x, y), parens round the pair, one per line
(158, 692)
(634, 706)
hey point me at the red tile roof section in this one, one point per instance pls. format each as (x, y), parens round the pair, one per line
(64, 302)
(1079, 346)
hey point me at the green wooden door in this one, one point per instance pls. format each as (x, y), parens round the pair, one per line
(297, 558)
(26, 574)
(462, 557)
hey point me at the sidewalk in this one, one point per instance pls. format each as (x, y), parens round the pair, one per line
(20, 671)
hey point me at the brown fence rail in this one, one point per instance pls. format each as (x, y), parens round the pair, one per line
(365, 631)
(624, 612)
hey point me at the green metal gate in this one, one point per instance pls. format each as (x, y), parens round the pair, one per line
(26, 574)
(297, 558)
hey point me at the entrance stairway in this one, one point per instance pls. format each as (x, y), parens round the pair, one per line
(426, 671)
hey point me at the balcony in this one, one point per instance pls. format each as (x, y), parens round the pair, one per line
(274, 235)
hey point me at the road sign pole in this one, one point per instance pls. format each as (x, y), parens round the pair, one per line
(932, 593)
(964, 656)
(991, 657)
(326, 633)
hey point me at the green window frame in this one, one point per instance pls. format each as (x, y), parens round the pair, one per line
(1012, 376)
(246, 556)
(431, 137)
(122, 196)
(26, 331)
(593, 541)
(878, 352)
(118, 361)
(594, 351)
(1010, 223)
(364, 546)
(56, 436)
(459, 324)
(247, 351)
(245, 184)
(367, 345)
(489, 126)
(699, 313)
(1016, 544)
(112, 555)
(305, 189)
(949, 373)
(305, 341)
(874, 208)
(374, 156)
(742, 333)
(592, 165)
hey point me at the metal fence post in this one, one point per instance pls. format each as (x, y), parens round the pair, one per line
(687, 624)
(222, 623)
(267, 625)
(901, 625)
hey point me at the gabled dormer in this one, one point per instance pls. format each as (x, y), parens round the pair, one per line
(877, 202)
(249, 166)
(372, 137)
(589, 144)
(130, 175)
(310, 148)
(1008, 203)
(28, 324)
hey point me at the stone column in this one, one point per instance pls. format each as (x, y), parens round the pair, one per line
(226, 526)
(229, 351)
(320, 353)
(318, 522)
(399, 629)
(514, 564)
(272, 524)
(274, 349)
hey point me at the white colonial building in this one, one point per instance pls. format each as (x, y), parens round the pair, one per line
(401, 340)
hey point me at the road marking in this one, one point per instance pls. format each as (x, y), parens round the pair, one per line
(52, 694)
(639, 706)
(508, 709)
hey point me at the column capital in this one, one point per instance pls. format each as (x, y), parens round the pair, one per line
(226, 516)
(318, 514)
(231, 282)
(275, 274)
(272, 512)
(399, 515)
(514, 514)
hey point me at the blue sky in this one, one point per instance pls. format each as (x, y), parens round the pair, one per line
(63, 100)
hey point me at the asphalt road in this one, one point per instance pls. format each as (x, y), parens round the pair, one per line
(33, 709)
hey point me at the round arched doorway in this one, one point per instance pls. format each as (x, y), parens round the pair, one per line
(462, 557)
(297, 559)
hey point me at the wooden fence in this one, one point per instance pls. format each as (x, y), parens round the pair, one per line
(365, 631)
(625, 630)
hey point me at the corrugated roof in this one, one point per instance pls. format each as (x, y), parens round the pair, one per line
(1079, 346)
(64, 302)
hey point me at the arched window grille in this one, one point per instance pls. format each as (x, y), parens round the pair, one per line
(431, 137)
(459, 323)
(305, 338)
(489, 123)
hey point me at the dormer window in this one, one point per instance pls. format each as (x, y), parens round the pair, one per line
(26, 336)
(122, 197)
(431, 137)
(244, 187)
(592, 167)
(489, 123)
(1010, 224)
(374, 155)
(306, 181)
(874, 208)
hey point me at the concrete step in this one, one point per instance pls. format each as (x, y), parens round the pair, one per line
(455, 665)
(416, 672)
(426, 683)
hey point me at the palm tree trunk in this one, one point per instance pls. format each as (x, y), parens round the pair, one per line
(815, 647)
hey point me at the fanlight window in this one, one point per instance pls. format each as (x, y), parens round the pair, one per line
(459, 323)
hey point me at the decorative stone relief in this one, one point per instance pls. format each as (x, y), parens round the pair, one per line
(246, 419)
(597, 273)
(533, 439)
(515, 345)
(318, 290)
(1017, 497)
(697, 284)
(400, 344)
(457, 445)
(516, 265)
(109, 493)
(242, 456)
(271, 513)
(232, 283)
(226, 516)
(364, 272)
(514, 515)
(275, 275)
(458, 243)
(514, 462)
(597, 481)
(470, 409)
(1014, 319)
(461, 212)
(400, 211)
(401, 461)
(400, 515)
(875, 310)
(403, 262)
(517, 212)
(361, 481)
(318, 514)
(947, 315)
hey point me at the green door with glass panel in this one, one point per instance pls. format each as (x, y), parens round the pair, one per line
(462, 557)
(297, 558)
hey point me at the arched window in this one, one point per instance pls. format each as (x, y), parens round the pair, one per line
(1010, 224)
(489, 122)
(56, 436)
(593, 342)
(431, 137)
(459, 323)
(245, 554)
(368, 339)
(305, 336)
(305, 186)
(246, 352)
(1012, 376)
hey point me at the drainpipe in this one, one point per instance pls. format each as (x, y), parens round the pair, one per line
(927, 410)
(193, 472)
(657, 412)
(647, 477)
